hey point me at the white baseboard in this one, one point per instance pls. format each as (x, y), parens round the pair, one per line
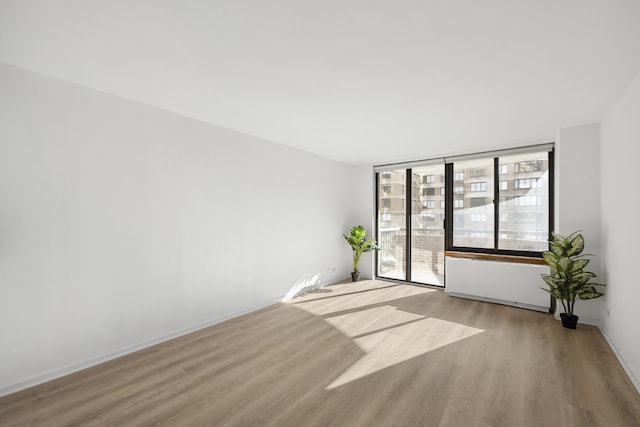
(84, 364)
(616, 350)
(498, 301)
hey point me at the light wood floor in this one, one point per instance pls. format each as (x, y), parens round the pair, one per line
(364, 354)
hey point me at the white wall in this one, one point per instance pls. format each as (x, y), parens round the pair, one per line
(620, 153)
(363, 194)
(122, 225)
(577, 201)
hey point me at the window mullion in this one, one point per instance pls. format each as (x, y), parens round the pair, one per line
(408, 212)
(496, 201)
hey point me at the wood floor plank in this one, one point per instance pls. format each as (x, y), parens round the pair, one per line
(355, 354)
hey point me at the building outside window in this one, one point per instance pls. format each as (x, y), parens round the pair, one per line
(478, 187)
(525, 183)
(477, 172)
(528, 166)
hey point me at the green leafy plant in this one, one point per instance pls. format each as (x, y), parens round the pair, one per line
(568, 280)
(359, 244)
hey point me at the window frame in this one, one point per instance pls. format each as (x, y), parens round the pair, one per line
(449, 211)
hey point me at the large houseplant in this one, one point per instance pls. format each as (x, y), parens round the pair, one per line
(359, 245)
(568, 280)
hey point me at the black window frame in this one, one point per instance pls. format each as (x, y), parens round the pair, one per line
(450, 219)
(450, 212)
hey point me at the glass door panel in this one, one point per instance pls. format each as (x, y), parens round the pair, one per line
(427, 225)
(392, 224)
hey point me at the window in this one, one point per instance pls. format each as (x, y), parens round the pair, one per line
(528, 214)
(525, 183)
(478, 187)
(477, 172)
(498, 202)
(519, 223)
(528, 166)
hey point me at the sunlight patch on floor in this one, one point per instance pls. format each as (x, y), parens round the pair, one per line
(397, 344)
(371, 320)
(361, 299)
(387, 335)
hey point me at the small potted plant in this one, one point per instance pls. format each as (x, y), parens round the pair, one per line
(568, 280)
(359, 245)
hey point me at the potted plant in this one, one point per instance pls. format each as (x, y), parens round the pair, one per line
(359, 245)
(568, 280)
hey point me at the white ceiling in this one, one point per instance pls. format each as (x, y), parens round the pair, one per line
(359, 81)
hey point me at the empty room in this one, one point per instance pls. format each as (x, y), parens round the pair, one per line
(355, 213)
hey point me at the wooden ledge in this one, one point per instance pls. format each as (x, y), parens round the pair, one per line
(496, 257)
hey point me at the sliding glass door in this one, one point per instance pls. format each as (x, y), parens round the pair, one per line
(427, 225)
(392, 224)
(413, 200)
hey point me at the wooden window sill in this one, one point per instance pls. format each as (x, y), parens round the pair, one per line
(496, 257)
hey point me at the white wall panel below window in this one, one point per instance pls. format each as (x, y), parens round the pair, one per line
(497, 281)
